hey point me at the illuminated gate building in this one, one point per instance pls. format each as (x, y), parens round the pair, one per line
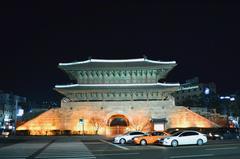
(114, 96)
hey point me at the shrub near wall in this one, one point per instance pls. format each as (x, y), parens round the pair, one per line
(22, 132)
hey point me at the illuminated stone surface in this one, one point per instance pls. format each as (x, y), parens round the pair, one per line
(68, 119)
(182, 117)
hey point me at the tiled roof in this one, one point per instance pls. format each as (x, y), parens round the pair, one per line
(100, 63)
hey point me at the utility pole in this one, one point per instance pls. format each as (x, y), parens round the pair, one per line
(3, 110)
(15, 115)
(206, 100)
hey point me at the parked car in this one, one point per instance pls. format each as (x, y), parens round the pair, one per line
(150, 138)
(127, 137)
(5, 133)
(189, 137)
(223, 133)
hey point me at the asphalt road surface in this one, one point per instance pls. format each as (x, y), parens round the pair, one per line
(97, 147)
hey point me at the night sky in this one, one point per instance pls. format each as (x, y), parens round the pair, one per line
(203, 38)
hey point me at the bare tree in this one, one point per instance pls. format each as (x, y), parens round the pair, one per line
(140, 120)
(96, 120)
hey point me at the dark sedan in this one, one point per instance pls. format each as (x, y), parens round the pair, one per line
(223, 133)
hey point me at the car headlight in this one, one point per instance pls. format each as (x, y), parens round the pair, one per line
(210, 134)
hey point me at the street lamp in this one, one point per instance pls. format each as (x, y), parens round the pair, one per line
(226, 110)
(81, 122)
(206, 93)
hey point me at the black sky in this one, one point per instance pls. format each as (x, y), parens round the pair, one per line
(35, 36)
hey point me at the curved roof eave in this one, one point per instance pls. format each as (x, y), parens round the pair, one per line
(116, 61)
(118, 85)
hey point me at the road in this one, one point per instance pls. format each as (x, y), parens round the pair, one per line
(97, 147)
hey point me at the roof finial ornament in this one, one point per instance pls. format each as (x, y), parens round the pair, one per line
(144, 56)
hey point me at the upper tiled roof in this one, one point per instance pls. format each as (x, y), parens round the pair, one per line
(100, 63)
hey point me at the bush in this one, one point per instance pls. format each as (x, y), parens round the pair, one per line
(22, 132)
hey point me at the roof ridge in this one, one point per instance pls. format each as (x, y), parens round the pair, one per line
(117, 61)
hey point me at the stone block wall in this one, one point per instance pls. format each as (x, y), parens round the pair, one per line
(67, 117)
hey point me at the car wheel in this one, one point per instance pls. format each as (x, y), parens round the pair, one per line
(199, 142)
(143, 142)
(174, 143)
(122, 141)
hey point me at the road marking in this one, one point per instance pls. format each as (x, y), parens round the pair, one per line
(14, 157)
(66, 150)
(156, 147)
(191, 156)
(222, 148)
(80, 157)
(69, 157)
(121, 147)
(117, 154)
(92, 143)
(41, 149)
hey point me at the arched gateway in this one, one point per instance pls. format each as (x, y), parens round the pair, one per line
(106, 86)
(117, 124)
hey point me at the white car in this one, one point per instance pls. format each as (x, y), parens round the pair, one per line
(184, 138)
(5, 134)
(127, 137)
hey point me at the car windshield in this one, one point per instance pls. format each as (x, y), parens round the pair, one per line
(147, 133)
(126, 133)
(150, 133)
(176, 133)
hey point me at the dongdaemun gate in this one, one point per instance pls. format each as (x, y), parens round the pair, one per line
(113, 96)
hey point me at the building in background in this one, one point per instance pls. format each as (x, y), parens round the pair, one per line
(199, 97)
(203, 99)
(230, 107)
(11, 107)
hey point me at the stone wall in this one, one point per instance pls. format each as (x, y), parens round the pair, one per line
(157, 109)
(98, 113)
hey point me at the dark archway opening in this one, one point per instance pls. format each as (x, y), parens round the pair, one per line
(118, 124)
